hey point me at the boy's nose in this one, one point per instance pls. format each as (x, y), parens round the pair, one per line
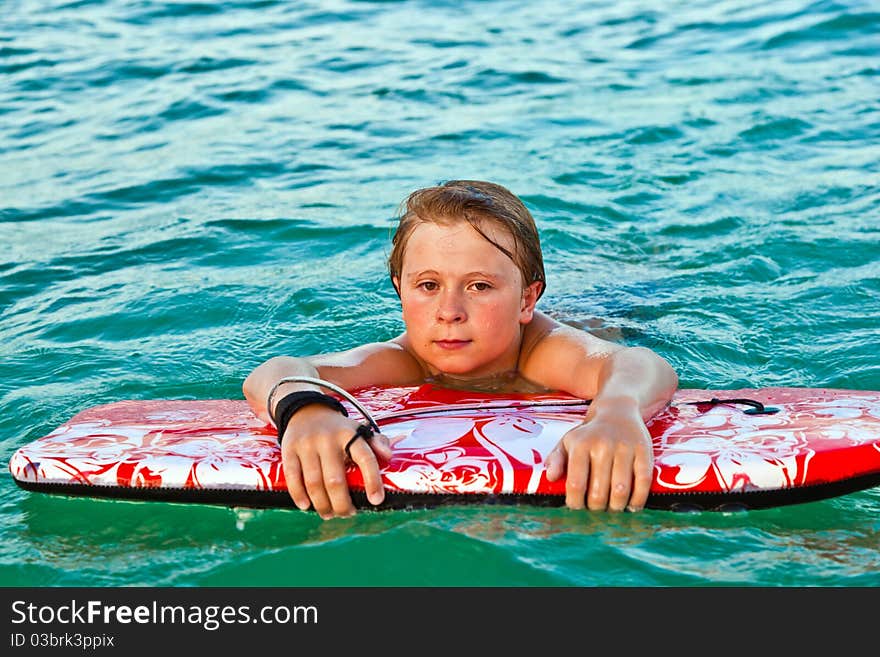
(451, 308)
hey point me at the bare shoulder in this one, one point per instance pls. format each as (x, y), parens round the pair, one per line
(544, 333)
(560, 357)
(387, 363)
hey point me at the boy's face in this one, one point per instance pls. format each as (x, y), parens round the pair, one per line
(463, 299)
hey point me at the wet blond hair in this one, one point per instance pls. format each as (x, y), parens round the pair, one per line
(476, 202)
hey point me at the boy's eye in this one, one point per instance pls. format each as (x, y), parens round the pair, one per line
(481, 287)
(428, 286)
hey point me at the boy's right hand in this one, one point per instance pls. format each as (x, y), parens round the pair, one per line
(314, 461)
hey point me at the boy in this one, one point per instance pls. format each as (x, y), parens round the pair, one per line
(466, 263)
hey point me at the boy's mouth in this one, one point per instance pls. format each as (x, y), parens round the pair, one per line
(451, 344)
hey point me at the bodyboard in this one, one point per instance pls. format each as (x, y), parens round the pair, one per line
(713, 449)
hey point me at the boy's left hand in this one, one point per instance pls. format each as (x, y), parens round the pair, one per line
(608, 460)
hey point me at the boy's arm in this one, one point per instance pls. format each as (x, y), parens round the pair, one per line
(608, 460)
(379, 363)
(313, 445)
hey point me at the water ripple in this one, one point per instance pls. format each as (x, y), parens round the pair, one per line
(188, 188)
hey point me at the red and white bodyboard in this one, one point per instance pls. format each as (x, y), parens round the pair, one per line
(462, 447)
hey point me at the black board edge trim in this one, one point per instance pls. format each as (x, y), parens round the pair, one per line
(394, 500)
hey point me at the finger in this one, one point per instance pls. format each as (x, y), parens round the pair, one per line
(365, 459)
(381, 448)
(621, 480)
(578, 469)
(643, 477)
(600, 478)
(293, 478)
(313, 477)
(554, 464)
(335, 483)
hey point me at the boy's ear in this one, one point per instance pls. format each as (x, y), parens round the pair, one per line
(396, 283)
(529, 299)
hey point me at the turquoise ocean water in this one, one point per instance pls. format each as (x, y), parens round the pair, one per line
(189, 188)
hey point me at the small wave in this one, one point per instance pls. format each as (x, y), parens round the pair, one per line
(774, 129)
(844, 26)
